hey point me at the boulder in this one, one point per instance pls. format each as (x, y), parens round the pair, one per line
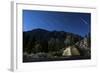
(71, 51)
(67, 52)
(75, 51)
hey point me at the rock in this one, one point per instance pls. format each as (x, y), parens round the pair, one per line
(67, 52)
(85, 46)
(75, 51)
(71, 51)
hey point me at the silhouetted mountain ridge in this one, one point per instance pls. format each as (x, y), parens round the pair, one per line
(44, 38)
(39, 31)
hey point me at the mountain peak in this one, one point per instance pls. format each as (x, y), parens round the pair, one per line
(39, 29)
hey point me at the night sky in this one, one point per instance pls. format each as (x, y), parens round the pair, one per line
(78, 23)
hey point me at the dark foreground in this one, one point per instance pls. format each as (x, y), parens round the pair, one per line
(25, 59)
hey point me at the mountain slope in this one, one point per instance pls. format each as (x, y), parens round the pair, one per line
(48, 40)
